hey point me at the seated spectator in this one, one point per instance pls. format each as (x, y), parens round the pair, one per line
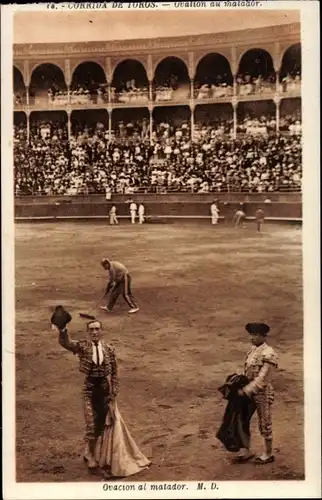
(291, 82)
(212, 161)
(247, 84)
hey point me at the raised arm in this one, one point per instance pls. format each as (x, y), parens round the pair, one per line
(65, 341)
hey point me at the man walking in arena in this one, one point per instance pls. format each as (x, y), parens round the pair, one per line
(113, 218)
(214, 213)
(133, 209)
(259, 219)
(119, 283)
(141, 213)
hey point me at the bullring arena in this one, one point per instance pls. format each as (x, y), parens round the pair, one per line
(173, 123)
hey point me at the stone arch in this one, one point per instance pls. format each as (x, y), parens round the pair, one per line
(128, 70)
(33, 66)
(18, 76)
(257, 61)
(20, 67)
(174, 63)
(46, 77)
(19, 88)
(291, 61)
(90, 74)
(161, 58)
(171, 76)
(213, 69)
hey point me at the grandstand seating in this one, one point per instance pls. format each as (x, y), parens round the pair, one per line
(164, 130)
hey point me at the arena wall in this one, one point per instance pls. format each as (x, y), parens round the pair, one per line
(159, 207)
(165, 198)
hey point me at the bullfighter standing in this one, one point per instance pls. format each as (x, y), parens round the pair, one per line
(260, 362)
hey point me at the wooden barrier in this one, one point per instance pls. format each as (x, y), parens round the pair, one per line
(153, 209)
(282, 197)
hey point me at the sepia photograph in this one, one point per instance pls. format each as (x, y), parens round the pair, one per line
(167, 352)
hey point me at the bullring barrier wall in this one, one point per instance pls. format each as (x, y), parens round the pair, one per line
(168, 197)
(156, 207)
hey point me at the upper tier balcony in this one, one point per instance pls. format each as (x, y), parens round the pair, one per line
(63, 101)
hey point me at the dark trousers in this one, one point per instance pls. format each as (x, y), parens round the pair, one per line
(96, 394)
(259, 223)
(122, 287)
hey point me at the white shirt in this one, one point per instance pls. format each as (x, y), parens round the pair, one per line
(100, 353)
(133, 207)
(141, 209)
(214, 209)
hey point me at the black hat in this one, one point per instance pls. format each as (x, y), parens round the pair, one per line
(260, 328)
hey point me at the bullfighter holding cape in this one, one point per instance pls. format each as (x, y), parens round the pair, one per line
(109, 447)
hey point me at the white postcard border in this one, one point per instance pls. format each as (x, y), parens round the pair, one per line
(311, 264)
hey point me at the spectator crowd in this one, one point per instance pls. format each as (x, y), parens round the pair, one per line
(130, 91)
(93, 162)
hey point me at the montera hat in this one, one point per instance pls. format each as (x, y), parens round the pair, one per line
(260, 328)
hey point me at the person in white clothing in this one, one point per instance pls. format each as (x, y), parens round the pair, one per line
(108, 193)
(214, 213)
(141, 213)
(133, 209)
(113, 218)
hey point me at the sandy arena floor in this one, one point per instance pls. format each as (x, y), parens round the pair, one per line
(197, 286)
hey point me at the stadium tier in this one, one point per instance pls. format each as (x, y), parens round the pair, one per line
(197, 114)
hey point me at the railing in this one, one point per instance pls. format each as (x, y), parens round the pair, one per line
(190, 190)
(162, 190)
(212, 95)
(133, 97)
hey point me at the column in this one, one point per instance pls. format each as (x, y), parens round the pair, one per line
(150, 91)
(191, 71)
(192, 88)
(109, 124)
(235, 104)
(28, 126)
(69, 126)
(192, 121)
(277, 104)
(277, 82)
(277, 60)
(109, 92)
(234, 68)
(68, 79)
(234, 85)
(26, 77)
(151, 123)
